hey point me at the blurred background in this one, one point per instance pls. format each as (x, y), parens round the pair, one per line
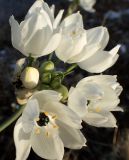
(114, 14)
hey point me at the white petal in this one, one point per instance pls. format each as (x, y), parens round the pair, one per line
(15, 33)
(92, 91)
(95, 119)
(52, 44)
(58, 19)
(64, 114)
(77, 101)
(111, 120)
(34, 7)
(22, 141)
(117, 108)
(70, 49)
(108, 102)
(74, 19)
(98, 35)
(87, 5)
(45, 96)
(100, 61)
(72, 138)
(99, 79)
(30, 112)
(48, 147)
(64, 50)
(85, 53)
(100, 120)
(38, 42)
(108, 80)
(52, 8)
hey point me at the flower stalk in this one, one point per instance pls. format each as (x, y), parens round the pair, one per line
(9, 121)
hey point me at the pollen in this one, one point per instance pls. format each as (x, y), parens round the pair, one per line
(55, 126)
(37, 131)
(97, 109)
(46, 113)
(54, 117)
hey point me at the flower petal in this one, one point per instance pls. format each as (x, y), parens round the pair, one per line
(48, 147)
(45, 96)
(84, 53)
(22, 141)
(37, 4)
(58, 19)
(74, 19)
(52, 44)
(87, 5)
(15, 33)
(71, 137)
(64, 114)
(42, 36)
(30, 112)
(100, 61)
(108, 102)
(100, 120)
(98, 35)
(95, 119)
(77, 101)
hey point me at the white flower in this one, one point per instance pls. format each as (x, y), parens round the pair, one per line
(47, 126)
(38, 34)
(85, 47)
(87, 5)
(94, 98)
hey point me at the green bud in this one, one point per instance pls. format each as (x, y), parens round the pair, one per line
(64, 92)
(56, 82)
(46, 78)
(58, 74)
(47, 66)
(30, 77)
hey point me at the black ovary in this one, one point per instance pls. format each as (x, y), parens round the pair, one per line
(43, 119)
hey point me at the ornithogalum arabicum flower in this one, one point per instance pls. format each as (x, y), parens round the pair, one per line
(85, 47)
(94, 98)
(38, 34)
(47, 126)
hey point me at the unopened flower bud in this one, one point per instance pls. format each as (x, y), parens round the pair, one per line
(47, 66)
(64, 92)
(56, 82)
(46, 77)
(30, 77)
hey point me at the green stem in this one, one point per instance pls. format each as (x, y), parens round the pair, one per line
(50, 57)
(9, 121)
(70, 69)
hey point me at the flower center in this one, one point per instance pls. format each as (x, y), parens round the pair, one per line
(43, 119)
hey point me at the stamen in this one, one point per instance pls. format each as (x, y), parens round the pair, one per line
(47, 134)
(46, 113)
(55, 126)
(54, 117)
(37, 131)
(97, 109)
